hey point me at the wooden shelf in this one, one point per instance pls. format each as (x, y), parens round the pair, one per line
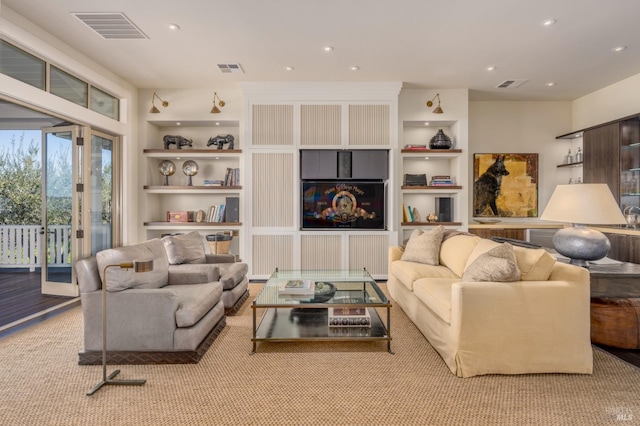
(430, 151)
(430, 187)
(171, 188)
(191, 153)
(578, 164)
(431, 223)
(193, 224)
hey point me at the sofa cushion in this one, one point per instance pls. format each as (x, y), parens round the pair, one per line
(436, 294)
(232, 274)
(409, 272)
(186, 248)
(534, 264)
(424, 247)
(121, 279)
(498, 265)
(194, 301)
(455, 251)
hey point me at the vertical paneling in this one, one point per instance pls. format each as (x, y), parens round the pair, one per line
(272, 190)
(272, 125)
(270, 252)
(321, 252)
(369, 125)
(369, 251)
(602, 157)
(320, 125)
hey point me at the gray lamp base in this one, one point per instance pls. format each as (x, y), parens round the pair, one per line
(581, 244)
(109, 381)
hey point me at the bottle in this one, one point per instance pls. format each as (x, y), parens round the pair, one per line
(579, 155)
(569, 158)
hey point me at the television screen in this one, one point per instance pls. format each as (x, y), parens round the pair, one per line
(352, 205)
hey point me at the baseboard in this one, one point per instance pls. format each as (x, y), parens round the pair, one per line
(154, 357)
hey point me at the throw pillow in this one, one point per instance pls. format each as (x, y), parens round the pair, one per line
(186, 248)
(424, 247)
(498, 264)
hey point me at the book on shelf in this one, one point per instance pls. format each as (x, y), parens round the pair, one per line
(216, 213)
(349, 331)
(232, 177)
(415, 147)
(407, 213)
(297, 288)
(213, 182)
(337, 319)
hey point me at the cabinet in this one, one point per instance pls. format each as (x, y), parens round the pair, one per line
(213, 164)
(629, 163)
(445, 198)
(573, 169)
(602, 156)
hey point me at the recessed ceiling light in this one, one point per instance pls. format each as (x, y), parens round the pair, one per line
(426, 123)
(354, 68)
(178, 123)
(551, 83)
(174, 27)
(328, 48)
(289, 68)
(619, 48)
(548, 22)
(217, 123)
(491, 68)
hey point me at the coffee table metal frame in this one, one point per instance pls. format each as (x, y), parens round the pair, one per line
(287, 319)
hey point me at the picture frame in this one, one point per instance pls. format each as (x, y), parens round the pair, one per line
(505, 185)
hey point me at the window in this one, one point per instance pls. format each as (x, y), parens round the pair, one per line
(18, 64)
(68, 87)
(104, 103)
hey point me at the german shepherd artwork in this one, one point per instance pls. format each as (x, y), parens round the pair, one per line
(487, 187)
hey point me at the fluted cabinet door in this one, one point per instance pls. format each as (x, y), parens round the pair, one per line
(272, 190)
(270, 252)
(321, 125)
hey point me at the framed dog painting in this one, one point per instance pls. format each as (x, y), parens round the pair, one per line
(505, 185)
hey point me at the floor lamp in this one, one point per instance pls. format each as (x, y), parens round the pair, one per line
(138, 266)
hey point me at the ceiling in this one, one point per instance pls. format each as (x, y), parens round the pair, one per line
(423, 43)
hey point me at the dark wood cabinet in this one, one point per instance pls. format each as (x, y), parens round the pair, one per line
(515, 233)
(625, 248)
(601, 162)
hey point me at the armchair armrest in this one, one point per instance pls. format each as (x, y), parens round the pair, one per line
(220, 258)
(193, 273)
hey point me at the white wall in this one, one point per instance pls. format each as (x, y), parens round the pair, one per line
(522, 127)
(613, 102)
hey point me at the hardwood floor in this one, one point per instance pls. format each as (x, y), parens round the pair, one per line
(20, 296)
(632, 356)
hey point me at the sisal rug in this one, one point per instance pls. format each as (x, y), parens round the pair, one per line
(297, 384)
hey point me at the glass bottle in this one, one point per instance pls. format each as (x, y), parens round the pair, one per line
(579, 155)
(569, 158)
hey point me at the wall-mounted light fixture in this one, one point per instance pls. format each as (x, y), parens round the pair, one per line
(221, 103)
(437, 110)
(154, 109)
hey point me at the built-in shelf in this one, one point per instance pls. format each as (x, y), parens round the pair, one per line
(192, 224)
(190, 153)
(430, 151)
(431, 223)
(430, 187)
(194, 188)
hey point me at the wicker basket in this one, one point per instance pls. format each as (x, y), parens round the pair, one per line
(219, 243)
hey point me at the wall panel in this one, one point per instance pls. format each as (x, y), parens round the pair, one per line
(320, 125)
(369, 251)
(272, 189)
(321, 252)
(272, 125)
(270, 252)
(369, 125)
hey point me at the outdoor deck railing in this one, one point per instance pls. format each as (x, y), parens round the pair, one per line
(20, 246)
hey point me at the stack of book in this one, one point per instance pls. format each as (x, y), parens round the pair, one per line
(297, 288)
(415, 147)
(349, 317)
(232, 177)
(216, 213)
(213, 182)
(443, 180)
(407, 214)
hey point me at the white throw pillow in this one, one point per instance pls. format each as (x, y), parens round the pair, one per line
(498, 264)
(424, 247)
(187, 248)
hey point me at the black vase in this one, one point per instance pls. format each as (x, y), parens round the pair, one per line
(440, 141)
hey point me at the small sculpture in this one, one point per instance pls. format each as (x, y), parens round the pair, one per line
(166, 168)
(178, 141)
(220, 140)
(431, 218)
(190, 168)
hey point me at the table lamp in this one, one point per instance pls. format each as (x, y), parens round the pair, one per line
(137, 266)
(581, 205)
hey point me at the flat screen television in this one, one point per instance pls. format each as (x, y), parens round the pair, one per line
(343, 205)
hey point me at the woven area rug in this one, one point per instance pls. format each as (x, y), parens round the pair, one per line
(295, 384)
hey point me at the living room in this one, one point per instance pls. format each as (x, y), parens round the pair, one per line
(480, 120)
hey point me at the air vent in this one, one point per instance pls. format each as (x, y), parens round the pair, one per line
(512, 84)
(111, 25)
(231, 68)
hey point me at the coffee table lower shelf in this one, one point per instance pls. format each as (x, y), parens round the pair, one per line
(284, 324)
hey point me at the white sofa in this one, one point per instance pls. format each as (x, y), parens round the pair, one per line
(537, 324)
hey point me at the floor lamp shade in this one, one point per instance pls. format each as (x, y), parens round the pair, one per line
(581, 205)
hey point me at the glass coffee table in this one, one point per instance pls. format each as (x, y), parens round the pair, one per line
(329, 306)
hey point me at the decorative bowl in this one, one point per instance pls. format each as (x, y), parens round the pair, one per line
(324, 292)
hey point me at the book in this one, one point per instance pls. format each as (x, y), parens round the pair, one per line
(297, 287)
(337, 319)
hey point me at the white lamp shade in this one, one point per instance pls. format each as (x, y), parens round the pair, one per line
(586, 204)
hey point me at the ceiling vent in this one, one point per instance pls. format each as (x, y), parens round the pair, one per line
(512, 84)
(231, 68)
(111, 25)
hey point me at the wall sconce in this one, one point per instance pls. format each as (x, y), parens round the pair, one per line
(437, 109)
(221, 103)
(137, 266)
(153, 109)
